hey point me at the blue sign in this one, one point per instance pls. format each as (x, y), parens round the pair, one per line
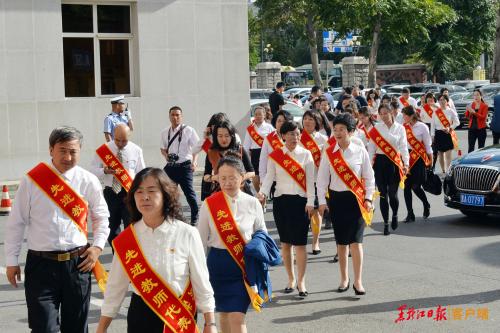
(332, 43)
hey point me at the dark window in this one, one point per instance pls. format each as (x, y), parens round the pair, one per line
(115, 69)
(79, 67)
(77, 18)
(113, 19)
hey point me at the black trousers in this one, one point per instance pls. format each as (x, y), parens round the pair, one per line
(414, 181)
(387, 179)
(52, 287)
(182, 175)
(118, 211)
(479, 135)
(496, 137)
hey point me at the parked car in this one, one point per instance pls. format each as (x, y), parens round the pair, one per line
(301, 91)
(472, 184)
(471, 84)
(260, 93)
(295, 110)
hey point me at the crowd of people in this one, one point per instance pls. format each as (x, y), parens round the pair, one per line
(326, 169)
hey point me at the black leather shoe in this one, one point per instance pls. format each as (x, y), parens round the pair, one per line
(316, 252)
(335, 258)
(427, 211)
(357, 292)
(341, 290)
(386, 230)
(410, 218)
(394, 223)
(303, 293)
(288, 290)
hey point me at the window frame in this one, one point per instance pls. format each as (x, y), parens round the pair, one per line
(97, 37)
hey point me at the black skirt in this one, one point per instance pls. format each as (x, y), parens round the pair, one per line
(255, 158)
(348, 223)
(386, 172)
(141, 318)
(417, 173)
(442, 141)
(291, 219)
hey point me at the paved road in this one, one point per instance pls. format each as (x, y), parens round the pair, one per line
(447, 261)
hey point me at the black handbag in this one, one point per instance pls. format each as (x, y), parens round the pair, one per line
(432, 183)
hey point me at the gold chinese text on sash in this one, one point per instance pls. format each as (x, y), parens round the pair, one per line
(404, 101)
(70, 202)
(389, 151)
(308, 142)
(291, 166)
(207, 144)
(349, 178)
(111, 161)
(428, 110)
(255, 135)
(231, 237)
(274, 140)
(176, 312)
(446, 124)
(417, 148)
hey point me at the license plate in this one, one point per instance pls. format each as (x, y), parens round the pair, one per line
(472, 199)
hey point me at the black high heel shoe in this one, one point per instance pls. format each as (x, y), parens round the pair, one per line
(410, 218)
(357, 292)
(303, 293)
(341, 290)
(427, 211)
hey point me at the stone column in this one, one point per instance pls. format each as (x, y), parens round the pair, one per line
(354, 71)
(268, 74)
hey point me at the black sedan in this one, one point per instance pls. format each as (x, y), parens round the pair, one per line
(472, 183)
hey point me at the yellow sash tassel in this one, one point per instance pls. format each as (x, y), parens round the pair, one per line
(255, 298)
(100, 275)
(315, 224)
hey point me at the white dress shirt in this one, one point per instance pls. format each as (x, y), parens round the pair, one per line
(264, 129)
(421, 132)
(358, 160)
(247, 213)
(184, 147)
(133, 161)
(412, 101)
(396, 136)
(424, 117)
(264, 157)
(452, 117)
(48, 227)
(321, 140)
(175, 252)
(359, 135)
(284, 183)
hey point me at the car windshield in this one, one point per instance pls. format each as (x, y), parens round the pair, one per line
(491, 92)
(294, 109)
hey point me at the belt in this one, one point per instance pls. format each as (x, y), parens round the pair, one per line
(60, 255)
(173, 164)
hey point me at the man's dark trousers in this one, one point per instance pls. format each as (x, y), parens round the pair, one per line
(182, 174)
(118, 211)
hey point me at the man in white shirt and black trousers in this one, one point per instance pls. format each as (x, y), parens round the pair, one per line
(177, 142)
(132, 159)
(59, 260)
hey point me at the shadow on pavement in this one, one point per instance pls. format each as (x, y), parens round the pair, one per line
(488, 254)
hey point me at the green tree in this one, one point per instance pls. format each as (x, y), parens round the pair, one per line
(495, 68)
(254, 37)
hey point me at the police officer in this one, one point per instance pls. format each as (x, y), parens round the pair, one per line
(177, 142)
(132, 160)
(119, 114)
(59, 261)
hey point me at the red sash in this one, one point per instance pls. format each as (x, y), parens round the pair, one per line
(389, 151)
(255, 135)
(446, 124)
(370, 103)
(363, 128)
(274, 140)
(110, 160)
(231, 237)
(176, 312)
(428, 110)
(291, 166)
(308, 142)
(404, 101)
(417, 148)
(332, 141)
(349, 178)
(207, 144)
(70, 202)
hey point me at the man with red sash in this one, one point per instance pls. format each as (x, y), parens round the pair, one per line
(116, 163)
(52, 204)
(405, 99)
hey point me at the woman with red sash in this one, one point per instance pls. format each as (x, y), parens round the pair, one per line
(373, 100)
(314, 141)
(419, 144)
(477, 113)
(167, 257)
(389, 152)
(292, 167)
(344, 201)
(365, 125)
(444, 122)
(225, 218)
(224, 139)
(273, 141)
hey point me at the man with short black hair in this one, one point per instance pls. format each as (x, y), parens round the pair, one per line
(406, 100)
(177, 142)
(315, 93)
(356, 94)
(276, 100)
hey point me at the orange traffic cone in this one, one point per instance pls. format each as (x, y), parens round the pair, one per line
(6, 204)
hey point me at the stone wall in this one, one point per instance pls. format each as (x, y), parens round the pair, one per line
(354, 71)
(268, 74)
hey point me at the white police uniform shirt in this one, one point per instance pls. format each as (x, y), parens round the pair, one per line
(396, 136)
(358, 160)
(247, 212)
(174, 250)
(452, 117)
(183, 143)
(112, 120)
(132, 160)
(47, 227)
(264, 129)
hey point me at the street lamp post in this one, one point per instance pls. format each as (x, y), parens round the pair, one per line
(268, 52)
(355, 45)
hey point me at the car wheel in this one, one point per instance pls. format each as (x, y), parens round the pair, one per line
(472, 214)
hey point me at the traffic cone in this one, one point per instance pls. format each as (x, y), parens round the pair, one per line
(6, 204)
